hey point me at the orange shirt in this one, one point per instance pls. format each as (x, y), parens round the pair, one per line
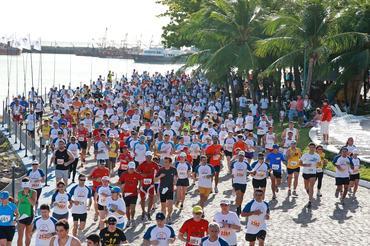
(99, 173)
(240, 145)
(214, 151)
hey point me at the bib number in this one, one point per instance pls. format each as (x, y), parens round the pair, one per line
(194, 240)
(147, 181)
(275, 167)
(319, 170)
(293, 163)
(60, 161)
(255, 223)
(81, 139)
(225, 233)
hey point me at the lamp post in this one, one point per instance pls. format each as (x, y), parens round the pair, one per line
(20, 136)
(13, 178)
(46, 162)
(3, 121)
(26, 147)
(9, 125)
(15, 132)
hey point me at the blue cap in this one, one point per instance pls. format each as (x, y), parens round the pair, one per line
(160, 216)
(275, 146)
(4, 195)
(116, 189)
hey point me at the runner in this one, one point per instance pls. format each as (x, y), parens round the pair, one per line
(259, 171)
(309, 161)
(101, 195)
(82, 136)
(183, 170)
(61, 202)
(275, 159)
(130, 181)
(116, 207)
(148, 170)
(139, 150)
(343, 163)
(44, 226)
(257, 211)
(112, 235)
(113, 154)
(194, 229)
(80, 193)
(93, 240)
(26, 201)
(215, 156)
(102, 147)
(325, 121)
(293, 156)
(62, 158)
(159, 234)
(8, 216)
(36, 177)
(292, 129)
(229, 223)
(270, 139)
(62, 237)
(320, 168)
(355, 172)
(205, 174)
(168, 178)
(124, 158)
(74, 147)
(240, 170)
(228, 145)
(213, 237)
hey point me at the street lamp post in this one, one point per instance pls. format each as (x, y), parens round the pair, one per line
(20, 136)
(26, 147)
(46, 162)
(15, 132)
(13, 178)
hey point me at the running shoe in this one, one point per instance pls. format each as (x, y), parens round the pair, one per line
(216, 190)
(309, 205)
(95, 217)
(337, 193)
(148, 215)
(143, 217)
(289, 192)
(295, 193)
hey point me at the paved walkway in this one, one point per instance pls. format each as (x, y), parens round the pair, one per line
(328, 222)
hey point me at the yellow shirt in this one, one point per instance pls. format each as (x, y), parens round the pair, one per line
(293, 161)
(45, 131)
(320, 165)
(112, 152)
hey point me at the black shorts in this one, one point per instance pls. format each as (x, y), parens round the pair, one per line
(83, 144)
(7, 232)
(293, 170)
(38, 193)
(217, 169)
(353, 177)
(79, 217)
(241, 187)
(228, 153)
(182, 182)
(259, 183)
(342, 181)
(130, 200)
(308, 175)
(195, 164)
(166, 196)
(253, 237)
(101, 208)
(26, 221)
(277, 174)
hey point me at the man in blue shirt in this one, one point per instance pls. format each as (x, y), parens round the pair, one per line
(213, 237)
(275, 159)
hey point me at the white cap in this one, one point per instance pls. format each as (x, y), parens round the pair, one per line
(26, 184)
(131, 164)
(148, 153)
(355, 152)
(241, 153)
(227, 202)
(222, 125)
(105, 178)
(177, 114)
(182, 154)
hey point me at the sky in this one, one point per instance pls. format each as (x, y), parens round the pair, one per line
(83, 20)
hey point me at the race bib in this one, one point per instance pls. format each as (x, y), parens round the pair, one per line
(81, 139)
(183, 174)
(61, 205)
(60, 161)
(35, 184)
(123, 166)
(239, 173)
(275, 167)
(43, 237)
(225, 233)
(293, 163)
(147, 181)
(255, 223)
(5, 218)
(319, 170)
(103, 199)
(216, 157)
(261, 174)
(310, 170)
(195, 240)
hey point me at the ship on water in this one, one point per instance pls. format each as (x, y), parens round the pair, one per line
(161, 55)
(6, 50)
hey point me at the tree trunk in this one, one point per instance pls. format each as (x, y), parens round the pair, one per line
(357, 85)
(297, 79)
(233, 96)
(309, 76)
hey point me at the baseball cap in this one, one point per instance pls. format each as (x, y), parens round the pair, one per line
(275, 146)
(4, 195)
(197, 209)
(241, 153)
(160, 216)
(293, 142)
(182, 154)
(148, 153)
(26, 184)
(115, 189)
(131, 164)
(112, 219)
(105, 178)
(355, 152)
(227, 202)
(142, 137)
(35, 162)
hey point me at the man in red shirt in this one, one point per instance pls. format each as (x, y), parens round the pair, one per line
(300, 105)
(96, 175)
(325, 121)
(214, 153)
(195, 228)
(148, 170)
(130, 181)
(124, 158)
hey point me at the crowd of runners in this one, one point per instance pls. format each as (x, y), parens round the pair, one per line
(150, 137)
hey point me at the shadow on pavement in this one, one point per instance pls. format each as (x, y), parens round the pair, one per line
(304, 217)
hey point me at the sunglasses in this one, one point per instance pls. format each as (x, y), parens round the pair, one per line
(111, 223)
(83, 180)
(224, 205)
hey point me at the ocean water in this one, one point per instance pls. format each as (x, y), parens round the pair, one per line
(69, 69)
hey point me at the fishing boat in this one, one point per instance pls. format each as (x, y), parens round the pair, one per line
(160, 55)
(9, 51)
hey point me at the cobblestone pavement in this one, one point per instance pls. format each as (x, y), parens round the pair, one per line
(328, 222)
